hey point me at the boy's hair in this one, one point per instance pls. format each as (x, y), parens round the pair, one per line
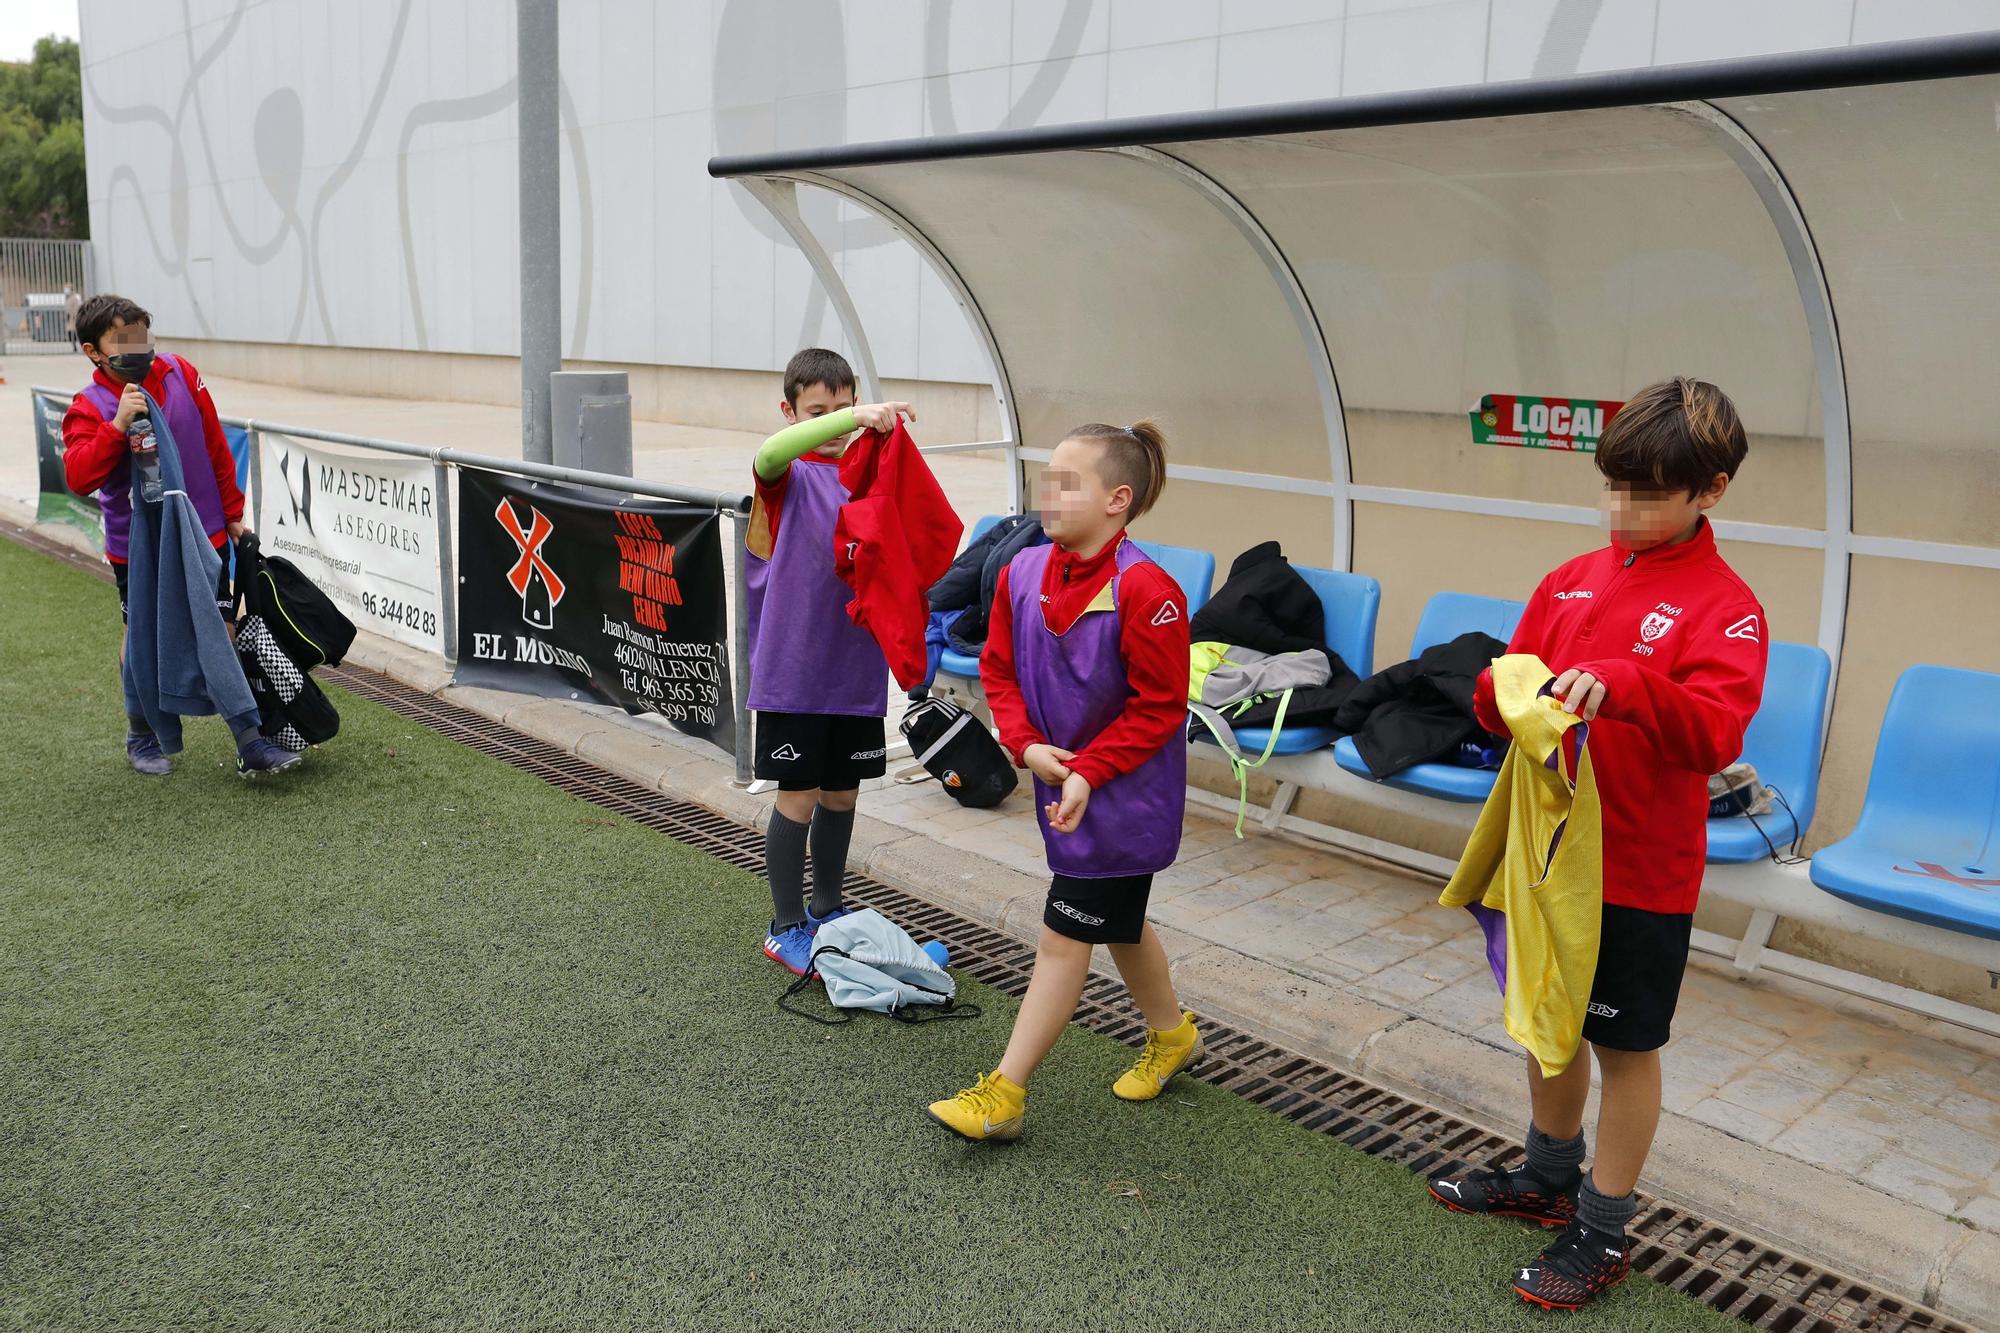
(816, 365)
(1673, 436)
(95, 317)
(1134, 455)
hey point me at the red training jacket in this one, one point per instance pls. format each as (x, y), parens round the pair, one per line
(1680, 644)
(895, 537)
(1156, 660)
(93, 447)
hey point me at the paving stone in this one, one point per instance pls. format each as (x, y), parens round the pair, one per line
(1774, 1096)
(1251, 927)
(1969, 1288)
(1921, 1183)
(1950, 1146)
(1976, 1108)
(1404, 984)
(1983, 1212)
(1737, 1121)
(1829, 1139)
(1693, 1057)
(1375, 950)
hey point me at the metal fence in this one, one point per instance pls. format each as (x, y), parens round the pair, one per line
(735, 508)
(33, 274)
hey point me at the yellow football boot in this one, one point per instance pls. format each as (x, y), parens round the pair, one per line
(1166, 1054)
(991, 1110)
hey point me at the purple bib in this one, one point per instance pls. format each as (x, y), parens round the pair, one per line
(1075, 686)
(806, 655)
(184, 420)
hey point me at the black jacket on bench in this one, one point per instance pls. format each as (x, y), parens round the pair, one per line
(1419, 711)
(1266, 606)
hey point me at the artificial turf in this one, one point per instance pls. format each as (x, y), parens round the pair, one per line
(407, 1039)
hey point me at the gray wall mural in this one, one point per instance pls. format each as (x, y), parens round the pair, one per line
(297, 171)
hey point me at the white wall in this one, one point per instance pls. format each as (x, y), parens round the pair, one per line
(313, 171)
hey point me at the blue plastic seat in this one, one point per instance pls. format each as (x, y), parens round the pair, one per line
(1927, 845)
(1783, 745)
(1350, 602)
(1193, 570)
(1446, 616)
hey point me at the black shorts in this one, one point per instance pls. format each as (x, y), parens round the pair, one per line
(820, 751)
(225, 595)
(1641, 957)
(1098, 911)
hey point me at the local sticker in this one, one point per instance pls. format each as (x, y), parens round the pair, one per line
(1522, 421)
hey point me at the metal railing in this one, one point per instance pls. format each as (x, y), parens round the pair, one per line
(734, 507)
(33, 273)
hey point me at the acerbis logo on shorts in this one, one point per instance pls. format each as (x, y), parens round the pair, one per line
(1603, 1010)
(785, 754)
(860, 755)
(1075, 915)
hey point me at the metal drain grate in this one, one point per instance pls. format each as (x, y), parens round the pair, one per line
(1724, 1270)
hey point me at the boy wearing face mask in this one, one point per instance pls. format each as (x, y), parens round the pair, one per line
(106, 436)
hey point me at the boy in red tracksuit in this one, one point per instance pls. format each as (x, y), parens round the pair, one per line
(107, 435)
(1661, 647)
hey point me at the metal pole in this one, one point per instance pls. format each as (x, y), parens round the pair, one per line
(447, 567)
(538, 72)
(256, 476)
(739, 656)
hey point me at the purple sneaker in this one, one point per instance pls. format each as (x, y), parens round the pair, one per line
(142, 748)
(261, 758)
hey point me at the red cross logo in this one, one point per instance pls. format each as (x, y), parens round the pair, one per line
(530, 542)
(1932, 871)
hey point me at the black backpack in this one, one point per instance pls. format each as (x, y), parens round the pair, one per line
(295, 712)
(960, 753)
(305, 622)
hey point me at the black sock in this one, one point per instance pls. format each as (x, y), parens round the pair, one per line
(785, 863)
(832, 831)
(1557, 1163)
(136, 725)
(1603, 1212)
(245, 734)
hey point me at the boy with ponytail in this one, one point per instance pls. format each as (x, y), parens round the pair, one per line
(1086, 670)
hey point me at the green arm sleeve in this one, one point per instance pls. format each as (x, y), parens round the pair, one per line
(799, 439)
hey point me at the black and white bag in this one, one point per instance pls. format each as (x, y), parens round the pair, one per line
(960, 753)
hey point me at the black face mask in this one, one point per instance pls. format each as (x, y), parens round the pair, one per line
(132, 367)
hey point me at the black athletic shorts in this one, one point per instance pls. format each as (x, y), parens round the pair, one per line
(1098, 911)
(1641, 957)
(225, 597)
(823, 751)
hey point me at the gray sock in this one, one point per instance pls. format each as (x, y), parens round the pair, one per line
(1602, 1212)
(832, 831)
(785, 863)
(245, 733)
(1557, 1163)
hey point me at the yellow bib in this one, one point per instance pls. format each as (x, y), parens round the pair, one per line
(1537, 855)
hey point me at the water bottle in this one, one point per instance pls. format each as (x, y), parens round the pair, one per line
(939, 954)
(145, 457)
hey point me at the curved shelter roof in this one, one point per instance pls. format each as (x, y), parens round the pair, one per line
(1313, 297)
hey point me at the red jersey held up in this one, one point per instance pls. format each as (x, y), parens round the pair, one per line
(894, 538)
(1680, 643)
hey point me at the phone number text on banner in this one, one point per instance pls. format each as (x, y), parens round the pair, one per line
(363, 527)
(566, 595)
